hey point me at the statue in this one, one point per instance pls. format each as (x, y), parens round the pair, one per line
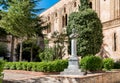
(74, 34)
(73, 65)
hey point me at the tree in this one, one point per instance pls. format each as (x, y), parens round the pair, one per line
(3, 33)
(30, 50)
(3, 50)
(20, 19)
(59, 40)
(89, 28)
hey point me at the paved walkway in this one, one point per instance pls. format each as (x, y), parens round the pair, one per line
(19, 74)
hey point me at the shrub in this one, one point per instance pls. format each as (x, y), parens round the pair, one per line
(34, 66)
(51, 66)
(24, 65)
(29, 66)
(108, 63)
(47, 54)
(91, 63)
(2, 63)
(19, 65)
(7, 65)
(12, 65)
(41, 67)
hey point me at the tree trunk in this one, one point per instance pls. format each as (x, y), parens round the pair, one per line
(12, 56)
(40, 42)
(31, 54)
(20, 57)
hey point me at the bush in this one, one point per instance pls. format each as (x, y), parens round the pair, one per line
(7, 65)
(47, 54)
(12, 65)
(59, 65)
(29, 66)
(51, 66)
(19, 66)
(108, 63)
(91, 63)
(24, 65)
(2, 63)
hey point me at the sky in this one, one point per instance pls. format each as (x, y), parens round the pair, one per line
(47, 3)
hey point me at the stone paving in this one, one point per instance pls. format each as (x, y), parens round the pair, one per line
(19, 74)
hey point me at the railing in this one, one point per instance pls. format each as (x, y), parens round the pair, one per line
(111, 23)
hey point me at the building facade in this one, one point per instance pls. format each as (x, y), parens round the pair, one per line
(107, 10)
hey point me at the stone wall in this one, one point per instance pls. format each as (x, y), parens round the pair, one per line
(108, 77)
(108, 12)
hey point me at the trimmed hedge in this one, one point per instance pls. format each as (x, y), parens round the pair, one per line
(2, 63)
(91, 63)
(88, 63)
(51, 66)
(108, 63)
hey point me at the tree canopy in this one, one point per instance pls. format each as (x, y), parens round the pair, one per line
(2, 31)
(89, 28)
(20, 18)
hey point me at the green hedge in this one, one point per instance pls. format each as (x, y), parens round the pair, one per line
(52, 66)
(2, 63)
(108, 63)
(91, 63)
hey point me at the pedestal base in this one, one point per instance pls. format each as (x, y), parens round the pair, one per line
(72, 72)
(73, 67)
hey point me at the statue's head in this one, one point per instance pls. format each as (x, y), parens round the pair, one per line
(73, 30)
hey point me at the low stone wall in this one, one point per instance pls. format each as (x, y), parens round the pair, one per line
(108, 77)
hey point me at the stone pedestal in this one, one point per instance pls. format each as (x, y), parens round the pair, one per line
(73, 67)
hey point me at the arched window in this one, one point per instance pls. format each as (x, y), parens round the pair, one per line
(115, 44)
(49, 28)
(48, 18)
(75, 4)
(62, 21)
(65, 19)
(64, 10)
(90, 4)
(56, 14)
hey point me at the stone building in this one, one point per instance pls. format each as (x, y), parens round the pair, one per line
(107, 10)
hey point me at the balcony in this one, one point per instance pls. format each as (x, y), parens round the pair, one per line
(111, 23)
